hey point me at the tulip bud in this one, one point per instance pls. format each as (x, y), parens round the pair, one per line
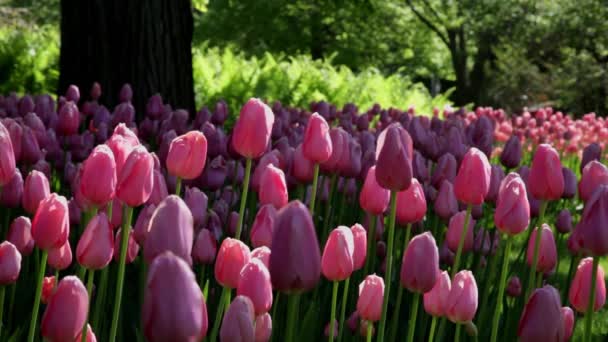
(462, 301)
(371, 294)
(445, 170)
(263, 225)
(254, 282)
(12, 193)
(136, 180)
(273, 188)
(360, 252)
(69, 119)
(231, 258)
(170, 288)
(48, 289)
(373, 198)
(542, 317)
(205, 247)
(171, 229)
(394, 154)
(472, 182)
(563, 222)
(90, 337)
(98, 177)
(66, 312)
(590, 234)
(20, 235)
(51, 225)
(568, 316)
(60, 258)
(132, 247)
(263, 328)
(546, 181)
(10, 263)
(252, 130)
(455, 231)
(36, 189)
(7, 157)
(317, 144)
(436, 300)
(569, 183)
(121, 147)
(511, 153)
(591, 152)
(495, 180)
(547, 252)
(446, 204)
(512, 215)
(187, 155)
(238, 321)
(159, 189)
(302, 168)
(411, 204)
(514, 287)
(295, 262)
(96, 245)
(420, 264)
(594, 175)
(581, 285)
(337, 262)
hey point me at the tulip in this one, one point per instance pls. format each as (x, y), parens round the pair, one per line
(51, 225)
(205, 247)
(60, 258)
(273, 188)
(472, 182)
(10, 266)
(546, 181)
(132, 247)
(165, 317)
(495, 179)
(446, 204)
(462, 300)
(317, 144)
(89, 337)
(142, 224)
(98, 177)
(252, 129)
(568, 316)
(563, 222)
(542, 317)
(121, 149)
(394, 159)
(458, 236)
(302, 168)
(254, 282)
(48, 289)
(371, 292)
(445, 170)
(263, 328)
(197, 201)
(69, 119)
(360, 251)
(514, 287)
(170, 229)
(136, 180)
(35, 189)
(593, 175)
(512, 215)
(337, 262)
(187, 154)
(263, 254)
(96, 246)
(263, 225)
(590, 233)
(231, 258)
(581, 284)
(547, 252)
(20, 235)
(411, 204)
(339, 142)
(420, 264)
(66, 312)
(238, 324)
(591, 152)
(569, 183)
(435, 300)
(159, 189)
(511, 153)
(72, 93)
(30, 148)
(12, 193)
(373, 198)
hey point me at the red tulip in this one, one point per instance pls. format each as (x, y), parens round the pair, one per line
(512, 215)
(254, 282)
(96, 246)
(547, 252)
(455, 231)
(337, 261)
(371, 294)
(263, 225)
(51, 225)
(317, 144)
(472, 182)
(542, 317)
(273, 188)
(546, 181)
(66, 312)
(231, 258)
(373, 198)
(594, 175)
(360, 251)
(48, 288)
(420, 264)
(187, 155)
(581, 286)
(136, 180)
(60, 258)
(10, 263)
(35, 189)
(237, 325)
(411, 204)
(98, 177)
(20, 235)
(462, 301)
(252, 129)
(436, 300)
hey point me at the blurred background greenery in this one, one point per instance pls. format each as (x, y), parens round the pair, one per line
(426, 53)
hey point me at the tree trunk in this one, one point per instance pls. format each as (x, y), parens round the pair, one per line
(146, 43)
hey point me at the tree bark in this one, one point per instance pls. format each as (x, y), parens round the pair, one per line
(146, 43)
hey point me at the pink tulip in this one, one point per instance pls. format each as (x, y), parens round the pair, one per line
(337, 262)
(10, 263)
(411, 204)
(7, 157)
(373, 198)
(132, 247)
(35, 189)
(231, 258)
(371, 294)
(462, 301)
(273, 188)
(512, 215)
(98, 177)
(96, 246)
(360, 240)
(136, 180)
(394, 154)
(60, 258)
(263, 225)
(472, 182)
(254, 282)
(171, 229)
(436, 300)
(20, 235)
(66, 312)
(263, 254)
(455, 232)
(581, 286)
(302, 168)
(187, 155)
(263, 328)
(542, 319)
(594, 175)
(420, 264)
(252, 129)
(90, 337)
(174, 308)
(317, 145)
(237, 325)
(568, 316)
(339, 142)
(121, 148)
(49, 284)
(547, 252)
(51, 225)
(546, 181)
(159, 189)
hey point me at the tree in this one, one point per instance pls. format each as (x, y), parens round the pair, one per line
(146, 43)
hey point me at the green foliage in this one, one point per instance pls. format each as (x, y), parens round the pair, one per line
(224, 74)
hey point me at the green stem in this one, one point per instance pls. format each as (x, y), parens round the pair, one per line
(457, 334)
(433, 327)
(396, 313)
(313, 195)
(292, 309)
(99, 303)
(370, 328)
(239, 226)
(343, 309)
(82, 273)
(412, 326)
(90, 293)
(334, 298)
(109, 210)
(539, 279)
(389, 265)
(501, 288)
(124, 244)
(219, 312)
(41, 271)
(463, 236)
(565, 287)
(328, 207)
(178, 186)
(2, 290)
(201, 277)
(591, 306)
(371, 245)
(531, 277)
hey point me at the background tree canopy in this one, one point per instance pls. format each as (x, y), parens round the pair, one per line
(508, 53)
